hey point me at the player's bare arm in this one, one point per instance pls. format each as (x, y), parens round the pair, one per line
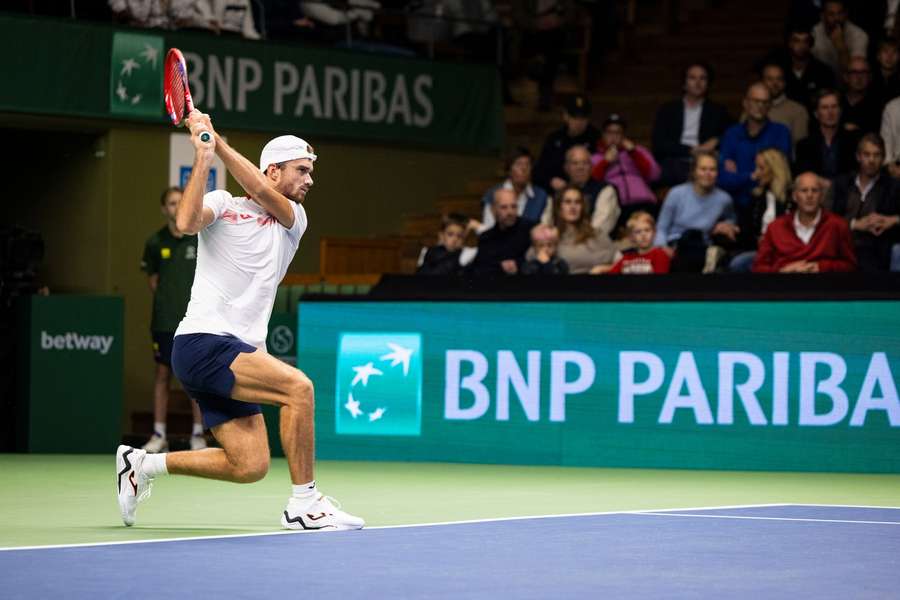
(255, 183)
(191, 216)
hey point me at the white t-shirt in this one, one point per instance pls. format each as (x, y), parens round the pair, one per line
(241, 258)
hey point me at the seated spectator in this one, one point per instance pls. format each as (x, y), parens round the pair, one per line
(770, 199)
(890, 133)
(444, 258)
(643, 258)
(860, 107)
(142, 13)
(804, 74)
(829, 149)
(531, 200)
(789, 113)
(502, 248)
(581, 246)
(601, 199)
(577, 130)
(626, 165)
(886, 77)
(743, 141)
(870, 201)
(837, 40)
(808, 240)
(693, 214)
(545, 260)
(328, 22)
(235, 17)
(692, 122)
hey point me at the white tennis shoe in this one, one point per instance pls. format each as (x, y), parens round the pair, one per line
(323, 514)
(156, 444)
(132, 485)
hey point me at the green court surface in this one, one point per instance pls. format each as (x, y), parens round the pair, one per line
(69, 499)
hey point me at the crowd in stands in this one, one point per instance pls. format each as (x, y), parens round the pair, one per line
(805, 179)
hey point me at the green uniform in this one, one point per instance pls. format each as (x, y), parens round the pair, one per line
(174, 259)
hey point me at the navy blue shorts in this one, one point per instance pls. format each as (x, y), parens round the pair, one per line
(202, 363)
(162, 346)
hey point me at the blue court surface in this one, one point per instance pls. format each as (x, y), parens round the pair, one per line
(759, 552)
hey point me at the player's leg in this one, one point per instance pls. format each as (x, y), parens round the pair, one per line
(243, 457)
(259, 377)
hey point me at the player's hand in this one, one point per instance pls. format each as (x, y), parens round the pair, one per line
(199, 122)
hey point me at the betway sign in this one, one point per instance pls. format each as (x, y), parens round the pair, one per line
(72, 340)
(739, 379)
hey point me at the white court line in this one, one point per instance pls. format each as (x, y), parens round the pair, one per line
(671, 514)
(847, 506)
(412, 525)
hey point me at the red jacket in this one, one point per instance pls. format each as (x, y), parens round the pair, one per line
(653, 262)
(831, 245)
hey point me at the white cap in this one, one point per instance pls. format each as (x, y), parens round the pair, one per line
(284, 148)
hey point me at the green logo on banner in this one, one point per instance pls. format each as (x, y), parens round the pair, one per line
(379, 384)
(135, 75)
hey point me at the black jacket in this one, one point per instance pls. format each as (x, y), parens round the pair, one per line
(809, 152)
(496, 245)
(438, 261)
(553, 155)
(873, 253)
(669, 125)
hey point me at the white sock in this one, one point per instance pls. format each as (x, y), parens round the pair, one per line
(305, 491)
(197, 430)
(159, 429)
(154, 465)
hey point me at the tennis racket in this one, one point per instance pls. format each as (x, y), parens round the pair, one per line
(176, 92)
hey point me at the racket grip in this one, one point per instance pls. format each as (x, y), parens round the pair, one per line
(205, 137)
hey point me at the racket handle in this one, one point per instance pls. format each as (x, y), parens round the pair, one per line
(205, 137)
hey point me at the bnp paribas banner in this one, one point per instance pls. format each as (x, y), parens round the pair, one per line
(98, 71)
(733, 385)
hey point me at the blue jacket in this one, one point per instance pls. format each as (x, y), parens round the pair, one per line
(737, 145)
(534, 207)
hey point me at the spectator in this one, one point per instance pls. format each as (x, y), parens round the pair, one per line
(789, 113)
(626, 165)
(886, 78)
(878, 18)
(829, 149)
(141, 13)
(601, 199)
(643, 258)
(194, 15)
(804, 74)
(693, 122)
(694, 213)
(808, 240)
(235, 17)
(870, 200)
(328, 22)
(169, 261)
(860, 108)
(890, 133)
(837, 40)
(545, 260)
(531, 200)
(770, 199)
(743, 141)
(444, 258)
(546, 22)
(577, 130)
(583, 247)
(502, 247)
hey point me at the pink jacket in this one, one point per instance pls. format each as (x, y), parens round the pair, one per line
(630, 173)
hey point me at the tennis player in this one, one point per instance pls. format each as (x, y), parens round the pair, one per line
(219, 355)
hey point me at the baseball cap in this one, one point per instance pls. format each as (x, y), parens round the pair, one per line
(613, 119)
(578, 106)
(284, 148)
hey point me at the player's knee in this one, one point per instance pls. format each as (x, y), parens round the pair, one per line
(251, 469)
(300, 392)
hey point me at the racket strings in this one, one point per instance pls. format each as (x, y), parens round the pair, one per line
(176, 90)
